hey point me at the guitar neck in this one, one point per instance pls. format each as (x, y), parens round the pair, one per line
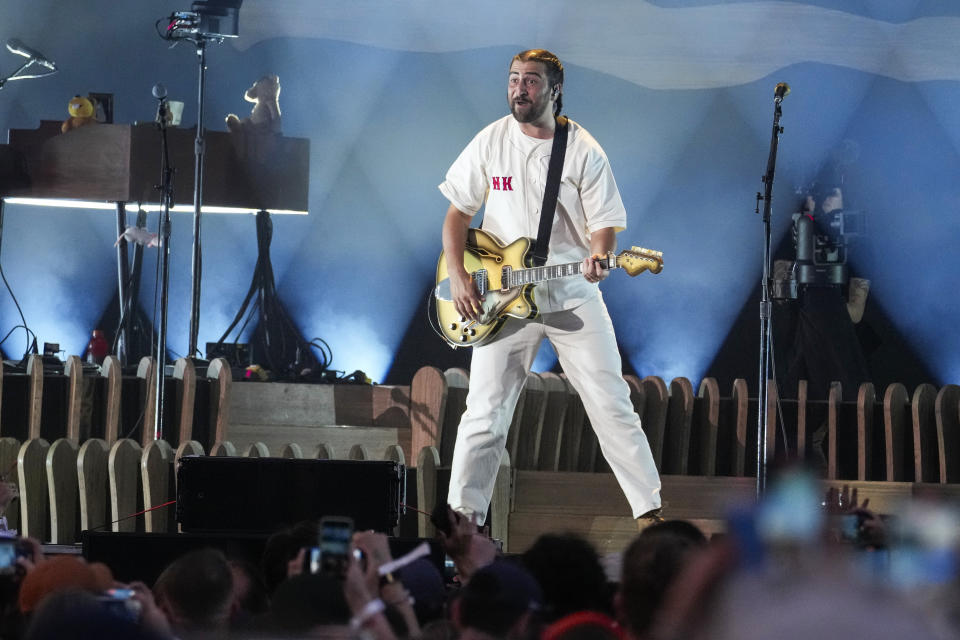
(533, 275)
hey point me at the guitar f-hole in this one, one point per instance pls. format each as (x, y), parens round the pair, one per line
(486, 254)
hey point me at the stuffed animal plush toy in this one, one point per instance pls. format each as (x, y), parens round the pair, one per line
(81, 113)
(265, 116)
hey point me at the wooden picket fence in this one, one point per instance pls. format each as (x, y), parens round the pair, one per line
(75, 476)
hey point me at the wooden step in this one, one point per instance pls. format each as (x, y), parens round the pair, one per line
(688, 496)
(593, 506)
(607, 534)
(599, 494)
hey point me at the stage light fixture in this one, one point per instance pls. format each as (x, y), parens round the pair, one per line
(134, 207)
(207, 19)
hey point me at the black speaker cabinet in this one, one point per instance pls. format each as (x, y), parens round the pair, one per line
(216, 494)
(143, 556)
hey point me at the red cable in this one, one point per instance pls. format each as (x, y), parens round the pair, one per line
(134, 515)
(405, 506)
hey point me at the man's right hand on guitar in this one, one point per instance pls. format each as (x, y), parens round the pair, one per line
(463, 290)
(464, 294)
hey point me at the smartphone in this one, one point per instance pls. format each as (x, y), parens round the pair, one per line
(120, 603)
(8, 556)
(849, 527)
(332, 554)
(12, 548)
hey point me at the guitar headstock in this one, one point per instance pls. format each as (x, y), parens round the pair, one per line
(637, 260)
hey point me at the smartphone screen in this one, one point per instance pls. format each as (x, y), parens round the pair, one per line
(120, 603)
(8, 556)
(333, 552)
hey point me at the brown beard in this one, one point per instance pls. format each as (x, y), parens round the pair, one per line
(532, 114)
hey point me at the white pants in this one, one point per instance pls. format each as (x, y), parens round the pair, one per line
(587, 349)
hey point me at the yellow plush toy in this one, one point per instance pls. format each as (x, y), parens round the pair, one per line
(81, 113)
(265, 115)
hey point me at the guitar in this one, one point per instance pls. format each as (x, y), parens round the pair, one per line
(505, 277)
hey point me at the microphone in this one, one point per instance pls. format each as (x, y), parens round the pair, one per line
(781, 92)
(159, 92)
(17, 47)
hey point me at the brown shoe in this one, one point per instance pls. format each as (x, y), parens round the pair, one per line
(651, 517)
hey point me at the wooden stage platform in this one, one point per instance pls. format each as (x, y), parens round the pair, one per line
(75, 443)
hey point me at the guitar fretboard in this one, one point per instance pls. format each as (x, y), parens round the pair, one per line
(533, 275)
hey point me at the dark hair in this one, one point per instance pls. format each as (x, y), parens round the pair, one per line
(199, 585)
(651, 562)
(570, 574)
(282, 547)
(497, 597)
(483, 607)
(254, 600)
(70, 613)
(306, 601)
(553, 66)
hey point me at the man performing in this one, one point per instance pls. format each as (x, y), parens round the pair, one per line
(505, 167)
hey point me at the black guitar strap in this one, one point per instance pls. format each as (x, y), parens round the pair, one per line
(542, 245)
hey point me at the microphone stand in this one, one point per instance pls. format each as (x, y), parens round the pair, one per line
(188, 25)
(763, 396)
(3, 81)
(196, 266)
(14, 76)
(166, 202)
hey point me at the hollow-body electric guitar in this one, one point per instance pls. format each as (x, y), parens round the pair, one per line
(505, 277)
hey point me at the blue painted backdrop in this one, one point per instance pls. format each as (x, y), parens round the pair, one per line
(679, 93)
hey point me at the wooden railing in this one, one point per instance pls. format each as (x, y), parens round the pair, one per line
(84, 474)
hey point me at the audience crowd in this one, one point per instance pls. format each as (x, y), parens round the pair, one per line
(795, 565)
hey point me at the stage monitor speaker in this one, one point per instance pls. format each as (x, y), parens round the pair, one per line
(263, 495)
(143, 556)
